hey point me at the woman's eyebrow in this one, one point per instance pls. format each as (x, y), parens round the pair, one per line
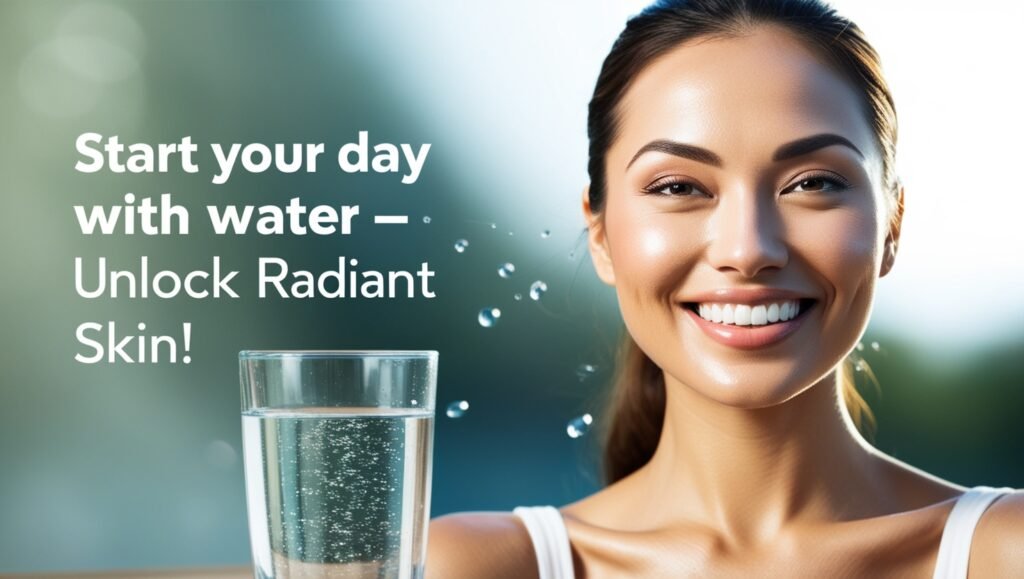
(678, 149)
(812, 143)
(791, 149)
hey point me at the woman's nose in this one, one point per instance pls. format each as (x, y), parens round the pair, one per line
(747, 235)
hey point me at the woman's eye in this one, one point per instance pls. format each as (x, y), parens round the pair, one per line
(818, 184)
(674, 189)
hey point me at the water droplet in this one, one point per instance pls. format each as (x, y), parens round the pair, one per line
(506, 270)
(426, 219)
(545, 234)
(511, 233)
(860, 346)
(220, 454)
(876, 346)
(518, 297)
(578, 426)
(494, 226)
(457, 409)
(537, 289)
(414, 402)
(461, 245)
(584, 371)
(488, 317)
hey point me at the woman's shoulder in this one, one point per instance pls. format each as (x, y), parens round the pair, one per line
(996, 550)
(479, 544)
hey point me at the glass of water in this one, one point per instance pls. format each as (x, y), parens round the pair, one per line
(338, 461)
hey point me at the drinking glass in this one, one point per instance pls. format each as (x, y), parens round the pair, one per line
(337, 453)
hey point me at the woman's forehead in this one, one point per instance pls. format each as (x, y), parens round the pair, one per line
(740, 97)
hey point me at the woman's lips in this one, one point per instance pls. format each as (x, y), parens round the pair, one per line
(750, 337)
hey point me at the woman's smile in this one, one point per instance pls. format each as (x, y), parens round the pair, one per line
(748, 318)
(745, 327)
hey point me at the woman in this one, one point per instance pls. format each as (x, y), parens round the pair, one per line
(743, 203)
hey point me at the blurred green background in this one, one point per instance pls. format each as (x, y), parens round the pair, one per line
(138, 466)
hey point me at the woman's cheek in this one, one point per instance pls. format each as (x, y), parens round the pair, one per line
(656, 251)
(847, 259)
(653, 244)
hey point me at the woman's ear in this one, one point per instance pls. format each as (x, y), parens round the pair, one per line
(892, 240)
(597, 241)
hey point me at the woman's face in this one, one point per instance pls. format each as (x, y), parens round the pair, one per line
(723, 219)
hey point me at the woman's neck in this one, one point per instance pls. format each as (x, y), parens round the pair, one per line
(751, 472)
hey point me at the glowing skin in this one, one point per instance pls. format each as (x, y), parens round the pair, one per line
(757, 471)
(741, 450)
(747, 224)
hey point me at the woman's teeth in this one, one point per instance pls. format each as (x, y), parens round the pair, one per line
(744, 315)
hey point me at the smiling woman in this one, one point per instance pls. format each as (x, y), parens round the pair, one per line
(743, 203)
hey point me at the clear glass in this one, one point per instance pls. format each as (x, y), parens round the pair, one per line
(338, 453)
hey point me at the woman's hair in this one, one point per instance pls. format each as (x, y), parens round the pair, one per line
(636, 409)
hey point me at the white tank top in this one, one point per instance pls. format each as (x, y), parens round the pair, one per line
(554, 554)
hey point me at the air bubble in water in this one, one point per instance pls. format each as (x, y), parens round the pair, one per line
(494, 226)
(545, 234)
(457, 409)
(461, 245)
(488, 317)
(860, 346)
(506, 270)
(511, 233)
(426, 219)
(876, 346)
(584, 371)
(578, 426)
(537, 289)
(517, 297)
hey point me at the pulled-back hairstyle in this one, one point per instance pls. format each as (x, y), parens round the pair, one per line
(636, 408)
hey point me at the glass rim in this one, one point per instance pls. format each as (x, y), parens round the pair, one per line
(339, 354)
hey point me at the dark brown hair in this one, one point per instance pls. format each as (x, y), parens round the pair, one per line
(636, 409)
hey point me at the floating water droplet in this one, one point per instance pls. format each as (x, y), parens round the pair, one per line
(506, 270)
(494, 226)
(220, 454)
(545, 234)
(578, 426)
(584, 371)
(457, 409)
(537, 289)
(426, 219)
(517, 297)
(461, 245)
(860, 346)
(488, 317)
(876, 346)
(414, 402)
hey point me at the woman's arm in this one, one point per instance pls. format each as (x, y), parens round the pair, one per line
(998, 546)
(479, 546)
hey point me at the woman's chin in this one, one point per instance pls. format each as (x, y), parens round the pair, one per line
(746, 391)
(752, 398)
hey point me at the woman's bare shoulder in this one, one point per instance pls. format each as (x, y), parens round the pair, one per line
(476, 545)
(998, 546)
